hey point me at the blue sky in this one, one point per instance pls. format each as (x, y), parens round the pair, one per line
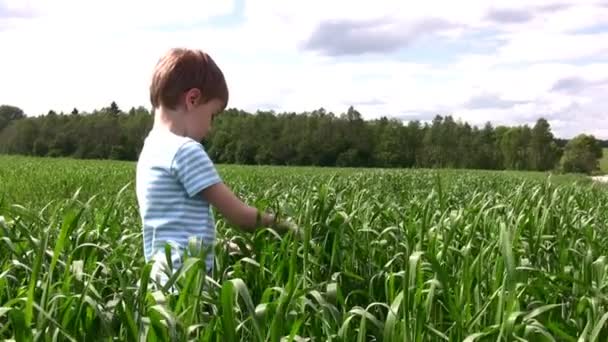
(506, 61)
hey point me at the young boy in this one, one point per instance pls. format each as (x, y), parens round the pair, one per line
(176, 181)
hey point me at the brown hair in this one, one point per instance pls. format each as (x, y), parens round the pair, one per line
(182, 69)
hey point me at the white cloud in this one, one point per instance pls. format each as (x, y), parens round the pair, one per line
(112, 13)
(105, 51)
(535, 47)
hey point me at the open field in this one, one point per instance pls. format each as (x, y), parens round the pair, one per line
(389, 255)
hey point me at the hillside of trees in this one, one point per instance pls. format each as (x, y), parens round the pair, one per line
(313, 138)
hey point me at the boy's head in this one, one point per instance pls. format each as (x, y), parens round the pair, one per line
(189, 83)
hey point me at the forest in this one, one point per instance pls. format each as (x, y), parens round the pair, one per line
(317, 138)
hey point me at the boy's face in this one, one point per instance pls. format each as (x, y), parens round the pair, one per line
(199, 116)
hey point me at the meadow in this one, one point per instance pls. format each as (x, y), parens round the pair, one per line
(388, 255)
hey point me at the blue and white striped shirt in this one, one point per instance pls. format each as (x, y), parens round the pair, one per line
(171, 172)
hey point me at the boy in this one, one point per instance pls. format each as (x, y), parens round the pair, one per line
(176, 181)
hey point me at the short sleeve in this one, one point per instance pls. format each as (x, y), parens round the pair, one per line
(194, 169)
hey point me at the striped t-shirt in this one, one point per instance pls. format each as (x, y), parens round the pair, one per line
(171, 172)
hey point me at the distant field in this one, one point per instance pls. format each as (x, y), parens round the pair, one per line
(604, 161)
(391, 255)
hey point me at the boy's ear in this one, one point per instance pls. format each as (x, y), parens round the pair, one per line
(193, 98)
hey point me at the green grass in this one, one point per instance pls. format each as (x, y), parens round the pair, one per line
(604, 161)
(391, 255)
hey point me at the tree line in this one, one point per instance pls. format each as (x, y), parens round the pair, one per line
(317, 138)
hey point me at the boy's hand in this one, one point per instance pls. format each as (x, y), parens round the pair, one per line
(233, 248)
(283, 226)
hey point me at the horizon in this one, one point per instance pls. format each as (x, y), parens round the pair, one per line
(336, 114)
(508, 63)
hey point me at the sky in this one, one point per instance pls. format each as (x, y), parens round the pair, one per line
(508, 62)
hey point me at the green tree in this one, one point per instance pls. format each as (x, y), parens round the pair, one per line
(388, 152)
(411, 143)
(22, 135)
(432, 155)
(487, 154)
(318, 138)
(582, 154)
(8, 114)
(543, 149)
(114, 110)
(40, 147)
(515, 147)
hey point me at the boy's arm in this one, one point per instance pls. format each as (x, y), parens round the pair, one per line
(233, 209)
(196, 172)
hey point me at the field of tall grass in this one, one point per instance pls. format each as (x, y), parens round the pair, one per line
(388, 255)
